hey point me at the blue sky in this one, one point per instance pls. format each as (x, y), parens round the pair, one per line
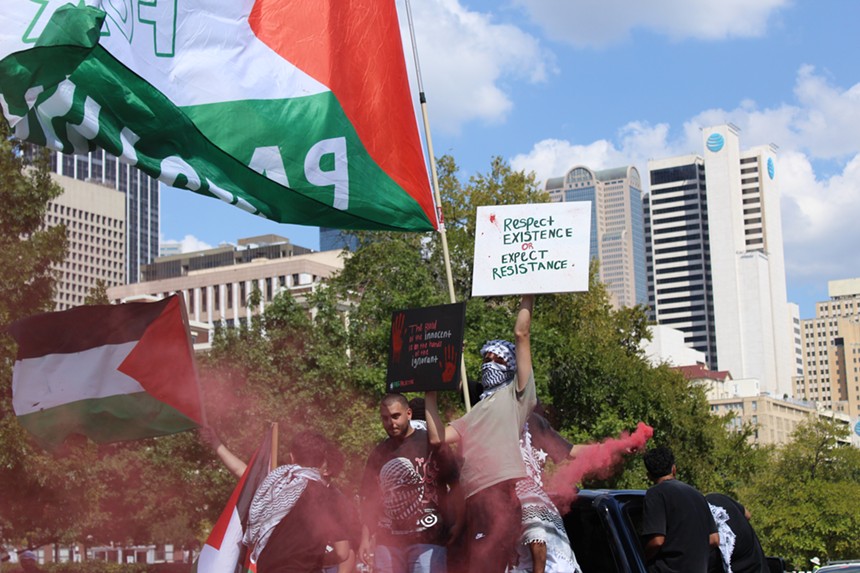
(549, 84)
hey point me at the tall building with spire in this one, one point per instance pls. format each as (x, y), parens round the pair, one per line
(717, 269)
(617, 226)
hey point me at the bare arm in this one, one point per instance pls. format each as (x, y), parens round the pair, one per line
(345, 555)
(714, 540)
(228, 458)
(365, 548)
(522, 336)
(436, 430)
(457, 511)
(653, 545)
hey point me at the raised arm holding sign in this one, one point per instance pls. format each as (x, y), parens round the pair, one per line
(489, 438)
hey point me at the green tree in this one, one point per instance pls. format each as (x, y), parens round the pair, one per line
(97, 294)
(29, 479)
(600, 385)
(805, 504)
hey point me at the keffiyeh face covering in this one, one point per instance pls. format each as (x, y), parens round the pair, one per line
(493, 374)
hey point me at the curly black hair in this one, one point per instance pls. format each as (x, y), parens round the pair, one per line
(659, 461)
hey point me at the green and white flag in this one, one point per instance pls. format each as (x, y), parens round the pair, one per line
(295, 110)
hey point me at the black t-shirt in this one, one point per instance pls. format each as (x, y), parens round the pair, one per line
(747, 555)
(403, 490)
(298, 543)
(680, 513)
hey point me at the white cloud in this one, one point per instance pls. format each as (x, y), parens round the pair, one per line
(819, 219)
(820, 209)
(637, 142)
(188, 244)
(598, 23)
(823, 123)
(466, 58)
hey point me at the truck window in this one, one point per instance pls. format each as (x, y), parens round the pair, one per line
(633, 513)
(590, 540)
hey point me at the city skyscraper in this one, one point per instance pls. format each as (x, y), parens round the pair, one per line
(617, 226)
(94, 218)
(831, 351)
(680, 290)
(716, 257)
(141, 201)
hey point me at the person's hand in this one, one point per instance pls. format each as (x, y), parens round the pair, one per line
(208, 436)
(365, 552)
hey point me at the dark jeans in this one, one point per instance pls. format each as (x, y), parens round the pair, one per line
(493, 525)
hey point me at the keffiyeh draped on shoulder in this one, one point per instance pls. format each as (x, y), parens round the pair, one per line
(273, 501)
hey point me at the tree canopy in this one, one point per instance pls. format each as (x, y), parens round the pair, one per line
(804, 503)
(29, 481)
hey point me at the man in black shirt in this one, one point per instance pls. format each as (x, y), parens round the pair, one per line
(677, 525)
(403, 493)
(294, 517)
(740, 550)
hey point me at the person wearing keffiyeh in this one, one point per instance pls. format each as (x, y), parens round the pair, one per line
(740, 550)
(544, 545)
(489, 436)
(293, 517)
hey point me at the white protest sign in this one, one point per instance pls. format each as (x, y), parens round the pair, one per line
(539, 248)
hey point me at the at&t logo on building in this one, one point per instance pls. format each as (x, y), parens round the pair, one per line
(715, 142)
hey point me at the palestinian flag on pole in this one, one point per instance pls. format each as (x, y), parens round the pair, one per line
(295, 110)
(224, 551)
(109, 372)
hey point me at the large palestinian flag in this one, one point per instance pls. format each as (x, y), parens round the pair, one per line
(294, 110)
(109, 372)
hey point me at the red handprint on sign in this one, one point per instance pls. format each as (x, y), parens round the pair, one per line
(398, 333)
(449, 365)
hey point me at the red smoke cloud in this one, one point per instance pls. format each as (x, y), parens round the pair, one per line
(595, 460)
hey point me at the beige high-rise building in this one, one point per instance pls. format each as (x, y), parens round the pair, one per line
(617, 226)
(831, 351)
(94, 216)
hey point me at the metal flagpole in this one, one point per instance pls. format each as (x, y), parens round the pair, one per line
(438, 195)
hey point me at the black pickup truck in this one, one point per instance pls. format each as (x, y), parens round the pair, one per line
(604, 525)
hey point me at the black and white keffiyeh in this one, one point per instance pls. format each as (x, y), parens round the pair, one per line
(495, 376)
(542, 522)
(727, 536)
(504, 349)
(403, 489)
(273, 501)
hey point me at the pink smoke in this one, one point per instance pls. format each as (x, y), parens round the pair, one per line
(595, 460)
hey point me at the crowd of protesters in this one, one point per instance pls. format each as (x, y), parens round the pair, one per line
(468, 496)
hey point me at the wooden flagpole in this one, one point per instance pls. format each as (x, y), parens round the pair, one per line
(273, 459)
(439, 216)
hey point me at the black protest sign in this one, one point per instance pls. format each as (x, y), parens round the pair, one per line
(425, 349)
